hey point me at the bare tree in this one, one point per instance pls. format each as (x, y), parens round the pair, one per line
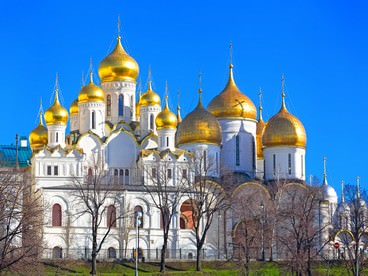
(354, 228)
(20, 221)
(207, 199)
(298, 230)
(95, 196)
(165, 190)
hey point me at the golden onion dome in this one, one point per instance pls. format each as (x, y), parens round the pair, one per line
(91, 93)
(232, 103)
(118, 66)
(56, 114)
(74, 110)
(150, 97)
(166, 119)
(38, 137)
(199, 126)
(284, 129)
(259, 133)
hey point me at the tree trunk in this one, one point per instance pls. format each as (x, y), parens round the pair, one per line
(94, 264)
(94, 252)
(198, 260)
(163, 254)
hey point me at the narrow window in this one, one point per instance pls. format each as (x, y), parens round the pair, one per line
(274, 164)
(121, 105)
(136, 210)
(121, 176)
(205, 159)
(108, 105)
(57, 137)
(154, 173)
(56, 215)
(169, 173)
(151, 122)
(126, 181)
(49, 172)
(116, 172)
(289, 163)
(185, 173)
(93, 119)
(111, 216)
(254, 154)
(167, 141)
(56, 170)
(237, 150)
(302, 164)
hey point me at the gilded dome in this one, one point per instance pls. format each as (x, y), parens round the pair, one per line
(91, 93)
(74, 110)
(259, 133)
(38, 137)
(118, 66)
(199, 126)
(166, 118)
(284, 129)
(56, 114)
(150, 97)
(232, 103)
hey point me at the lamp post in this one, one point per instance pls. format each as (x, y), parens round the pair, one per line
(262, 223)
(138, 216)
(218, 235)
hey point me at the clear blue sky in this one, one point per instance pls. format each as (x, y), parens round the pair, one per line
(321, 46)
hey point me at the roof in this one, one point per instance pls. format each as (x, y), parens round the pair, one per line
(8, 154)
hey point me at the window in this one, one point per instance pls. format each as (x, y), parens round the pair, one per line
(111, 252)
(302, 164)
(185, 173)
(93, 119)
(205, 159)
(126, 180)
(90, 173)
(121, 105)
(138, 209)
(56, 215)
(217, 163)
(111, 216)
(56, 170)
(237, 150)
(154, 173)
(169, 173)
(274, 164)
(116, 172)
(57, 137)
(289, 163)
(49, 170)
(151, 121)
(167, 141)
(108, 105)
(57, 252)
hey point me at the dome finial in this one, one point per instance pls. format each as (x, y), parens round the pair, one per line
(56, 99)
(324, 171)
(83, 81)
(149, 78)
(41, 112)
(342, 191)
(283, 91)
(178, 116)
(260, 104)
(231, 54)
(90, 70)
(140, 87)
(200, 86)
(166, 95)
(118, 25)
(358, 187)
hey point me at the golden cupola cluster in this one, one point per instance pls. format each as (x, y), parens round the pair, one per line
(118, 66)
(149, 97)
(166, 119)
(284, 129)
(74, 109)
(38, 137)
(259, 133)
(56, 114)
(199, 126)
(232, 103)
(91, 93)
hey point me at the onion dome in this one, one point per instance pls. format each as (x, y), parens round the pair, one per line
(199, 126)
(150, 97)
(38, 137)
(91, 93)
(166, 118)
(56, 114)
(74, 110)
(232, 103)
(259, 133)
(284, 129)
(118, 66)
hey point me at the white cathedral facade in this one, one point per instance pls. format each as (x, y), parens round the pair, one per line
(123, 134)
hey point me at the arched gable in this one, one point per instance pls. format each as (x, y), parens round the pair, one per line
(121, 150)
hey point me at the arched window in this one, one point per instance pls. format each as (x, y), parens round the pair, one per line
(167, 141)
(205, 160)
(151, 122)
(111, 252)
(274, 164)
(237, 150)
(121, 176)
(187, 215)
(111, 216)
(139, 209)
(57, 137)
(108, 105)
(289, 163)
(93, 119)
(56, 215)
(121, 105)
(90, 173)
(126, 180)
(57, 252)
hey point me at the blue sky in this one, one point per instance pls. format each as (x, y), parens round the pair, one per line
(320, 46)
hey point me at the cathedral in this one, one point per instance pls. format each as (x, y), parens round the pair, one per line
(126, 132)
